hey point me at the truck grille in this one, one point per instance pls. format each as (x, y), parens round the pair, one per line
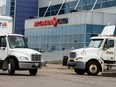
(36, 57)
(72, 54)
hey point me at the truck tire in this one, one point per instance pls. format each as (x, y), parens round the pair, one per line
(11, 67)
(33, 72)
(79, 71)
(92, 68)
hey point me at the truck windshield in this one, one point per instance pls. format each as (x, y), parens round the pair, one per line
(96, 43)
(17, 42)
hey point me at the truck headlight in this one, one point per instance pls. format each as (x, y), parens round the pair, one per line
(79, 58)
(23, 58)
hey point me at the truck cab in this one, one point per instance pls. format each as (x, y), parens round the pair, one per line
(100, 51)
(14, 51)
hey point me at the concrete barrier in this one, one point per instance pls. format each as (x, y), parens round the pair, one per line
(55, 55)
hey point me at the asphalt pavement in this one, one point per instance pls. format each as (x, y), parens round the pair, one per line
(55, 75)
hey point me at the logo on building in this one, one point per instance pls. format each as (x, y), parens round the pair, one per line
(3, 24)
(55, 21)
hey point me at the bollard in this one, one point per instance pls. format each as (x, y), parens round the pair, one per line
(65, 60)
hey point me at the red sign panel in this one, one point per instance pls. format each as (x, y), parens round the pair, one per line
(53, 22)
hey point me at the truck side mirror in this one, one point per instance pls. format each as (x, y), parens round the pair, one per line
(26, 41)
(3, 42)
(107, 45)
(3, 46)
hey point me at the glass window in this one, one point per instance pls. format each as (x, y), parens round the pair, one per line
(111, 43)
(41, 14)
(85, 8)
(96, 43)
(79, 9)
(83, 5)
(97, 6)
(88, 36)
(53, 12)
(56, 7)
(12, 3)
(61, 11)
(67, 38)
(108, 3)
(42, 9)
(48, 14)
(17, 42)
(105, 4)
(111, 3)
(72, 38)
(63, 37)
(12, 14)
(81, 38)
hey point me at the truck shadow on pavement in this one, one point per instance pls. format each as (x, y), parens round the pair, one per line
(74, 74)
(6, 74)
(19, 74)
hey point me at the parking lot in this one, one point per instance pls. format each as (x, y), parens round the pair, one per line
(55, 75)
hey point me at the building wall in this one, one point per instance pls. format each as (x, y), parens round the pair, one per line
(75, 34)
(59, 38)
(8, 6)
(24, 10)
(3, 10)
(44, 3)
(107, 10)
(77, 18)
(21, 10)
(69, 5)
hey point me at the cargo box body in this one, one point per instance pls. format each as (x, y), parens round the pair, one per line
(6, 25)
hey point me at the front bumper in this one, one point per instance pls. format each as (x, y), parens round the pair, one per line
(30, 65)
(76, 64)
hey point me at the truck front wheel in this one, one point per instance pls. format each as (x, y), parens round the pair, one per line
(11, 67)
(92, 68)
(79, 71)
(33, 72)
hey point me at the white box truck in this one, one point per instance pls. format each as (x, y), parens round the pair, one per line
(14, 51)
(98, 56)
